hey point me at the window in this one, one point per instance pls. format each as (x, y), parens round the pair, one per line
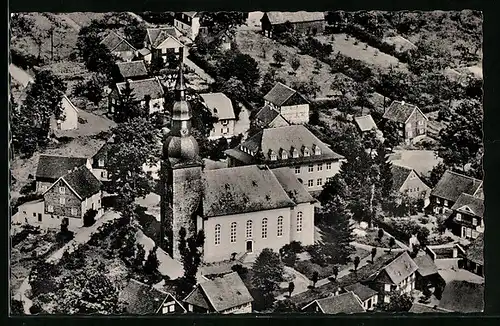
(264, 228)
(62, 200)
(311, 168)
(224, 122)
(274, 157)
(74, 212)
(101, 162)
(62, 190)
(421, 122)
(221, 130)
(217, 234)
(319, 182)
(320, 167)
(445, 203)
(299, 221)
(421, 131)
(171, 308)
(387, 287)
(474, 221)
(297, 169)
(438, 200)
(310, 183)
(409, 134)
(50, 208)
(249, 230)
(280, 226)
(328, 166)
(34, 214)
(103, 174)
(233, 232)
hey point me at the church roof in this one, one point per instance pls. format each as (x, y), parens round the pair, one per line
(241, 190)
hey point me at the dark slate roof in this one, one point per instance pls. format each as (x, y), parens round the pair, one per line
(400, 268)
(83, 182)
(219, 105)
(425, 265)
(399, 176)
(463, 297)
(362, 291)
(142, 299)
(197, 298)
(132, 69)
(266, 115)
(242, 189)
(475, 252)
(286, 138)
(295, 190)
(279, 94)
(221, 293)
(399, 111)
(469, 204)
(365, 123)
(157, 35)
(452, 185)
(115, 42)
(54, 167)
(141, 88)
(419, 308)
(280, 17)
(345, 303)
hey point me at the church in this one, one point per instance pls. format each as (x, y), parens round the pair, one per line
(241, 210)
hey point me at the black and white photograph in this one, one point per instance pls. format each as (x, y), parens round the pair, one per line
(173, 163)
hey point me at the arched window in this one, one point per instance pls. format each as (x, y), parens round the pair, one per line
(280, 226)
(249, 229)
(217, 234)
(233, 232)
(299, 221)
(264, 228)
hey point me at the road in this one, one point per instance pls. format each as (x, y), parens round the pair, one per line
(21, 76)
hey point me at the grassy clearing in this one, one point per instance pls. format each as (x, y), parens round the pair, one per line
(421, 161)
(353, 48)
(255, 44)
(371, 239)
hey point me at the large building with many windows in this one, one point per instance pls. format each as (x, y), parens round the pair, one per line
(295, 147)
(241, 210)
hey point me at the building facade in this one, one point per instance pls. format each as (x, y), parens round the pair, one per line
(148, 93)
(407, 181)
(303, 22)
(188, 23)
(411, 122)
(222, 109)
(289, 103)
(69, 121)
(162, 42)
(468, 216)
(119, 46)
(50, 168)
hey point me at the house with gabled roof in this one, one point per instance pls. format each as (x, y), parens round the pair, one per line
(268, 117)
(345, 303)
(450, 187)
(407, 181)
(293, 106)
(366, 295)
(188, 22)
(411, 122)
(147, 92)
(463, 297)
(119, 46)
(221, 108)
(69, 118)
(474, 259)
(72, 195)
(398, 276)
(161, 42)
(133, 70)
(295, 147)
(223, 295)
(468, 216)
(143, 299)
(304, 22)
(51, 167)
(427, 275)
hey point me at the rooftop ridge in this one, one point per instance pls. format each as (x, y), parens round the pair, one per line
(464, 175)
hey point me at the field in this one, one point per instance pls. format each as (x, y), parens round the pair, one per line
(255, 45)
(353, 48)
(422, 161)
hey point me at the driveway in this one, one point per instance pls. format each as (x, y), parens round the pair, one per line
(21, 76)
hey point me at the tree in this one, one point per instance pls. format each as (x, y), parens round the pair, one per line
(289, 257)
(267, 271)
(314, 278)
(380, 234)
(268, 81)
(279, 58)
(356, 263)
(16, 307)
(92, 89)
(397, 303)
(136, 144)
(240, 66)
(140, 254)
(284, 306)
(295, 64)
(291, 287)
(88, 39)
(135, 34)
(338, 232)
(391, 134)
(101, 60)
(128, 106)
(152, 262)
(223, 20)
(335, 271)
(392, 243)
(190, 250)
(308, 89)
(373, 253)
(157, 64)
(89, 217)
(461, 140)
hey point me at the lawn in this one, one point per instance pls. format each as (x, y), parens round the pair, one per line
(422, 161)
(353, 48)
(255, 44)
(370, 238)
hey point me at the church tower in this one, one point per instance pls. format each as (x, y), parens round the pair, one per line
(181, 173)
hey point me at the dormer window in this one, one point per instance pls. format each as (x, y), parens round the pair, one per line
(305, 151)
(284, 154)
(317, 150)
(273, 155)
(295, 152)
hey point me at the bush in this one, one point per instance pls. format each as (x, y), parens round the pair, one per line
(24, 60)
(241, 270)
(89, 217)
(28, 188)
